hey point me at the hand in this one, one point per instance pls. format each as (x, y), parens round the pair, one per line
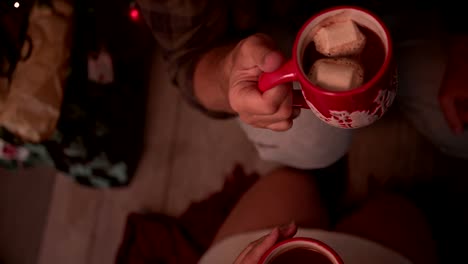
(454, 91)
(243, 66)
(255, 250)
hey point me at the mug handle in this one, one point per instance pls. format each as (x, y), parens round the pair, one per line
(284, 74)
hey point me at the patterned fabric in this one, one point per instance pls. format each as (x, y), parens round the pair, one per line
(14, 154)
(70, 156)
(86, 165)
(185, 30)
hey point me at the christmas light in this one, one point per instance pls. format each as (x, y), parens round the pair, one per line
(134, 14)
(16, 4)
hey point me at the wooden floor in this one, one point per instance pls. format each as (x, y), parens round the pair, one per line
(186, 155)
(185, 159)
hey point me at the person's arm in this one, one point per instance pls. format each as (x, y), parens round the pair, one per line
(210, 79)
(222, 80)
(454, 90)
(185, 30)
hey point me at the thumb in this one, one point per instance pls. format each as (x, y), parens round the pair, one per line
(263, 52)
(271, 62)
(256, 254)
(287, 231)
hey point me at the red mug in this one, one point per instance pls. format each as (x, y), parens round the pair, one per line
(284, 252)
(353, 108)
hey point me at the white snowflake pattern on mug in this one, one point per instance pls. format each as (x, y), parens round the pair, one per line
(356, 119)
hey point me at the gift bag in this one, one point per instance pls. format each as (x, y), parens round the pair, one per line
(30, 105)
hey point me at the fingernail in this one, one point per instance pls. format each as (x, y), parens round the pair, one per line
(264, 60)
(275, 230)
(286, 227)
(296, 112)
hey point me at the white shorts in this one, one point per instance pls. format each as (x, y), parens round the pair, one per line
(352, 249)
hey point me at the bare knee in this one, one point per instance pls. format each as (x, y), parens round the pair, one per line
(296, 190)
(395, 222)
(279, 197)
(286, 176)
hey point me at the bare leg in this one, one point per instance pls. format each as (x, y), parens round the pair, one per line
(276, 199)
(396, 223)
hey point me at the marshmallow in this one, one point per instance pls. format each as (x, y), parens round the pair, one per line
(336, 74)
(339, 38)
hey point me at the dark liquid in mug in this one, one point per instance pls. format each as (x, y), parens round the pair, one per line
(301, 256)
(371, 58)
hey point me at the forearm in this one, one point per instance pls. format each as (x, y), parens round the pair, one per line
(209, 83)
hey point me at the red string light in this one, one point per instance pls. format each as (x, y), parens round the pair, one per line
(134, 14)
